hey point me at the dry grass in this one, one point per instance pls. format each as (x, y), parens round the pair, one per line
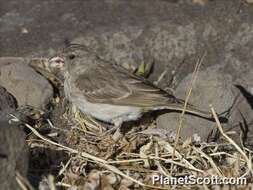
(93, 161)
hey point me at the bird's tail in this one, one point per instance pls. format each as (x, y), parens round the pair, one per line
(178, 105)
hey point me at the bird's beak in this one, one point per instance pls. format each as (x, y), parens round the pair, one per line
(57, 62)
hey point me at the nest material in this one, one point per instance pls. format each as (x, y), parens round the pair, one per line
(72, 151)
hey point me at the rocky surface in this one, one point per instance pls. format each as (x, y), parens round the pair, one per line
(171, 33)
(212, 87)
(217, 87)
(7, 102)
(13, 155)
(241, 117)
(28, 87)
(166, 31)
(13, 150)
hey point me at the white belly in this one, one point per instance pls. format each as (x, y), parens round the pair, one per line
(108, 113)
(104, 112)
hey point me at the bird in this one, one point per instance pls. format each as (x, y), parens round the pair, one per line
(110, 93)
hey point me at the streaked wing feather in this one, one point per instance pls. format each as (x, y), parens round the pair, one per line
(115, 85)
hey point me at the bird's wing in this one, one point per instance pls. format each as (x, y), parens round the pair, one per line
(112, 84)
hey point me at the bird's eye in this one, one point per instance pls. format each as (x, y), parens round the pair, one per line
(72, 56)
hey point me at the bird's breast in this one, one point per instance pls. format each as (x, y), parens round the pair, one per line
(105, 112)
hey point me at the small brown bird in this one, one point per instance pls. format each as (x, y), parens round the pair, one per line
(110, 93)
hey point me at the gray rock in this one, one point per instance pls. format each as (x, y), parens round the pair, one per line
(166, 44)
(241, 115)
(13, 150)
(7, 102)
(13, 155)
(171, 33)
(212, 87)
(28, 87)
(168, 32)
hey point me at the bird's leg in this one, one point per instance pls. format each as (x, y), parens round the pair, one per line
(117, 134)
(74, 110)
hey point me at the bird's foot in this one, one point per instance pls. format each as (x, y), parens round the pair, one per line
(115, 131)
(117, 135)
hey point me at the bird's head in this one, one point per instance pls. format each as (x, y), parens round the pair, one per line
(56, 64)
(72, 57)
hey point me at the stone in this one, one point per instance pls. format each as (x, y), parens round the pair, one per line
(212, 87)
(7, 102)
(164, 44)
(241, 117)
(170, 33)
(13, 155)
(13, 150)
(25, 84)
